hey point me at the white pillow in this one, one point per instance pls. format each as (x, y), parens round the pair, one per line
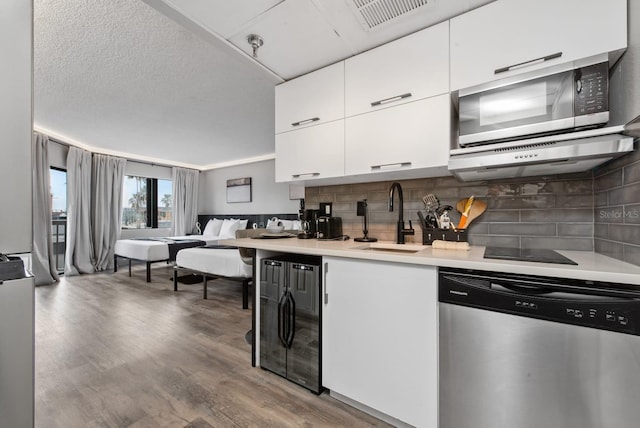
(208, 229)
(228, 229)
(243, 223)
(213, 227)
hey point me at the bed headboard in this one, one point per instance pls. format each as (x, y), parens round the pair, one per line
(259, 219)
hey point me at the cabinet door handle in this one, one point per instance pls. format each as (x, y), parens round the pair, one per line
(391, 99)
(306, 121)
(527, 63)
(326, 291)
(390, 166)
(306, 174)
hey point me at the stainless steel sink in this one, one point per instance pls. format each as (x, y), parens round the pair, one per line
(400, 249)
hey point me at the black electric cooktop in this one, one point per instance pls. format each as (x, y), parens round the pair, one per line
(527, 255)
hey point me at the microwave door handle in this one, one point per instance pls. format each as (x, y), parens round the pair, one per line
(527, 63)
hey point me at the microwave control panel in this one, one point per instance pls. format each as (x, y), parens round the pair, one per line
(592, 89)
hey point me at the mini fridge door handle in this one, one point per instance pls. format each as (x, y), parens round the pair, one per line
(282, 321)
(291, 309)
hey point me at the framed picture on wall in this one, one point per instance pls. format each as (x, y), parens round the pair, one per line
(239, 190)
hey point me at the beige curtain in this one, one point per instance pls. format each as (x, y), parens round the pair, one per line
(79, 254)
(185, 201)
(106, 208)
(43, 264)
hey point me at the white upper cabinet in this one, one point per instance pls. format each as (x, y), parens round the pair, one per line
(311, 153)
(312, 99)
(408, 69)
(407, 137)
(509, 37)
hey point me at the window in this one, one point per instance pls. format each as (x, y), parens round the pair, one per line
(165, 203)
(58, 185)
(146, 203)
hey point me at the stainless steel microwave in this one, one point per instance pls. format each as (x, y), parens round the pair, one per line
(535, 104)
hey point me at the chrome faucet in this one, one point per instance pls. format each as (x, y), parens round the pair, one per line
(401, 231)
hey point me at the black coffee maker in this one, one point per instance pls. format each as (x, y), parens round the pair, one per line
(309, 221)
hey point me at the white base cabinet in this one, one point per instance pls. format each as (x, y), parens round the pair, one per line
(512, 32)
(411, 136)
(379, 337)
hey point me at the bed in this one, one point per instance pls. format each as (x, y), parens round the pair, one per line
(220, 261)
(212, 262)
(151, 250)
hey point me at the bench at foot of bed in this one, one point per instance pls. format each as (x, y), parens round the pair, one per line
(206, 276)
(148, 263)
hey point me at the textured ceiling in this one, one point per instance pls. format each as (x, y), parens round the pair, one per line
(118, 75)
(173, 81)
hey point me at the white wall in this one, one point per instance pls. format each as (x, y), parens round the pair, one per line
(16, 125)
(58, 155)
(268, 197)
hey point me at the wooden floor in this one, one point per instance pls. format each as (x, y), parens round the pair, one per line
(114, 351)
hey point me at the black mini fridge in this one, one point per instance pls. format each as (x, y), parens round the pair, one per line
(290, 318)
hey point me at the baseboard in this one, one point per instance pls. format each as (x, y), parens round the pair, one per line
(371, 411)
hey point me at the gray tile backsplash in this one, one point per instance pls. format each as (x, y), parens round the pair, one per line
(593, 211)
(542, 212)
(617, 208)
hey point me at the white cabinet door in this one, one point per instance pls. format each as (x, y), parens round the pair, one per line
(408, 69)
(15, 125)
(411, 136)
(511, 32)
(379, 337)
(16, 352)
(311, 153)
(311, 99)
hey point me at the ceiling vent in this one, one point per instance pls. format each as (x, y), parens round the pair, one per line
(373, 14)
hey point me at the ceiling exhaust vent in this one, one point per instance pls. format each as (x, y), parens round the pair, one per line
(372, 14)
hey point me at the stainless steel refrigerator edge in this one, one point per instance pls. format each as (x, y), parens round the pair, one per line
(16, 296)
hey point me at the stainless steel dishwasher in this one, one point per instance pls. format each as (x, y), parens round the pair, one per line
(522, 351)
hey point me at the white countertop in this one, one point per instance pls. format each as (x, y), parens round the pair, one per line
(591, 266)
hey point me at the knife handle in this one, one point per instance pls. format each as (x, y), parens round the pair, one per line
(463, 222)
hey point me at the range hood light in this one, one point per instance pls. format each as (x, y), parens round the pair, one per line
(527, 159)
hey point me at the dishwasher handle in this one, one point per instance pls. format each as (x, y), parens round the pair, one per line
(549, 292)
(525, 287)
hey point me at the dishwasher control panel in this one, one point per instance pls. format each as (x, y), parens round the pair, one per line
(613, 307)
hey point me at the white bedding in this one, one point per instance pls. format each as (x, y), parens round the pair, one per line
(150, 250)
(216, 261)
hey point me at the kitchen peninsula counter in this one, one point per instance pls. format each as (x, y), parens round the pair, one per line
(591, 266)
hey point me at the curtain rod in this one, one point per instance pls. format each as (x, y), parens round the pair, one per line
(64, 143)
